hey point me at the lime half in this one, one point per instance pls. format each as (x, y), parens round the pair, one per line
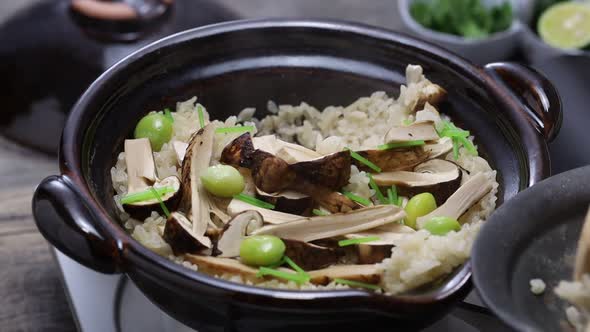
(566, 25)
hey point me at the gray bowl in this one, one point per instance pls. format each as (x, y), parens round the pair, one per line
(535, 50)
(497, 47)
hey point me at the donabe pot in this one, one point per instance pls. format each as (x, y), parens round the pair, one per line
(511, 110)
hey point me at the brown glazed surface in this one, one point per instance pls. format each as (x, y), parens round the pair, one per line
(234, 65)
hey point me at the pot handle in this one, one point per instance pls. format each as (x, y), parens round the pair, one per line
(65, 221)
(538, 98)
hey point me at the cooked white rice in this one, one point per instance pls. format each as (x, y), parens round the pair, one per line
(420, 259)
(537, 286)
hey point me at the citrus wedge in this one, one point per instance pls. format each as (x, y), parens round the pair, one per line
(566, 25)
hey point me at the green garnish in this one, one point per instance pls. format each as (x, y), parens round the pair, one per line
(235, 129)
(392, 197)
(201, 115)
(296, 267)
(356, 284)
(466, 18)
(145, 195)
(407, 122)
(319, 212)
(400, 145)
(296, 277)
(168, 115)
(364, 161)
(254, 201)
(455, 148)
(162, 205)
(378, 192)
(358, 199)
(459, 138)
(349, 242)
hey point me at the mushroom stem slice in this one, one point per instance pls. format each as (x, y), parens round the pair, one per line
(288, 201)
(236, 207)
(180, 236)
(459, 202)
(423, 131)
(583, 252)
(331, 171)
(289, 152)
(196, 161)
(141, 168)
(367, 273)
(389, 234)
(321, 227)
(238, 227)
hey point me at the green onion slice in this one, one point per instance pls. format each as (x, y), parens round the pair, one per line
(378, 192)
(145, 195)
(392, 196)
(296, 277)
(296, 267)
(364, 161)
(455, 148)
(168, 115)
(162, 205)
(400, 145)
(356, 284)
(349, 242)
(319, 212)
(254, 201)
(235, 129)
(358, 199)
(201, 115)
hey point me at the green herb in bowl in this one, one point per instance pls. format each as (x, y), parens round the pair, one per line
(466, 18)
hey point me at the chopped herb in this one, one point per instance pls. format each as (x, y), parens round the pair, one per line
(400, 145)
(392, 195)
(356, 284)
(235, 129)
(378, 192)
(459, 138)
(349, 242)
(407, 122)
(145, 195)
(296, 267)
(468, 145)
(162, 205)
(201, 115)
(358, 199)
(400, 201)
(296, 277)
(254, 201)
(168, 115)
(364, 161)
(319, 212)
(455, 148)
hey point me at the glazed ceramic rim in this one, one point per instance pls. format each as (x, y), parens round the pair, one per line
(130, 250)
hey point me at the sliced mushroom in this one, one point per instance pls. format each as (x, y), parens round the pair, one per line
(442, 147)
(399, 159)
(582, 264)
(196, 161)
(423, 131)
(432, 93)
(179, 234)
(270, 173)
(217, 265)
(389, 234)
(438, 177)
(288, 201)
(236, 207)
(332, 201)
(180, 150)
(310, 256)
(367, 273)
(289, 152)
(459, 202)
(370, 254)
(238, 227)
(331, 171)
(141, 175)
(314, 228)
(238, 152)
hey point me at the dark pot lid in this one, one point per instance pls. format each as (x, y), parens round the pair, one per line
(532, 236)
(50, 55)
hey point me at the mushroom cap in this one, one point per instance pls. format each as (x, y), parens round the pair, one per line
(143, 209)
(423, 131)
(180, 236)
(236, 229)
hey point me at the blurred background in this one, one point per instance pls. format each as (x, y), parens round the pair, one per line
(51, 50)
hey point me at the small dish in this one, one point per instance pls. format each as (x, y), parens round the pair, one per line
(535, 50)
(499, 46)
(532, 236)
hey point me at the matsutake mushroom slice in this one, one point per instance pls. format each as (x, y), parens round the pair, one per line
(464, 198)
(321, 227)
(196, 161)
(236, 230)
(270, 173)
(422, 131)
(582, 264)
(236, 207)
(310, 256)
(219, 265)
(141, 170)
(178, 233)
(332, 201)
(288, 201)
(438, 177)
(367, 273)
(396, 159)
(238, 153)
(389, 234)
(180, 150)
(289, 152)
(331, 171)
(442, 147)
(368, 254)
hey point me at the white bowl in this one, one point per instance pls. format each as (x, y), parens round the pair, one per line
(496, 47)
